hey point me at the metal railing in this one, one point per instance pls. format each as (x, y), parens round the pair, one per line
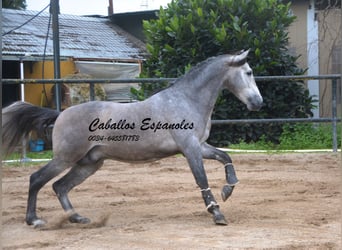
(334, 119)
(333, 77)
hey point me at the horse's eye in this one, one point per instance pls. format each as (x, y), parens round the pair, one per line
(249, 73)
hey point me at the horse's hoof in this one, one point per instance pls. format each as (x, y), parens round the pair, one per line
(220, 220)
(226, 192)
(38, 223)
(76, 218)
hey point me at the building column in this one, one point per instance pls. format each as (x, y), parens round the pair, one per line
(313, 54)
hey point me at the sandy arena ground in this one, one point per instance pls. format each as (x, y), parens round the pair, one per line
(283, 201)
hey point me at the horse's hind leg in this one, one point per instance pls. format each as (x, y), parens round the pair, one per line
(37, 181)
(210, 152)
(73, 178)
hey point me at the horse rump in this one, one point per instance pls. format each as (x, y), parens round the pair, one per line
(19, 119)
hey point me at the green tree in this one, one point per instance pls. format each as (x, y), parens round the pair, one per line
(189, 31)
(14, 4)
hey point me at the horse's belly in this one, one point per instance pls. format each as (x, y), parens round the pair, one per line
(137, 153)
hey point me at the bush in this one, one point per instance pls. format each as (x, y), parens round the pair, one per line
(307, 136)
(189, 31)
(297, 136)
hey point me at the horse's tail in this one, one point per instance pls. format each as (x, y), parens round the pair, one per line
(19, 119)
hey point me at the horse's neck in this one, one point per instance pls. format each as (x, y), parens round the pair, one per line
(201, 91)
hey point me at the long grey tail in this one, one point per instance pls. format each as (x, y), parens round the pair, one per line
(19, 119)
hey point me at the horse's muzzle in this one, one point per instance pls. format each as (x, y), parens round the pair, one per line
(255, 103)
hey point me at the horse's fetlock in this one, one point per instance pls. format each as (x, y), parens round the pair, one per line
(212, 206)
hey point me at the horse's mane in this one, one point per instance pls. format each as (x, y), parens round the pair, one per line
(195, 70)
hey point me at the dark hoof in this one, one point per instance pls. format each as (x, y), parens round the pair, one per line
(220, 220)
(218, 217)
(226, 192)
(76, 218)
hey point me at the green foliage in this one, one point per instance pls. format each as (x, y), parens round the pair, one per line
(261, 144)
(47, 154)
(307, 136)
(297, 136)
(14, 4)
(189, 31)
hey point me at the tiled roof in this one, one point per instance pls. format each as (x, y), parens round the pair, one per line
(80, 37)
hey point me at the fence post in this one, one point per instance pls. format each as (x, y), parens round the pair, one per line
(91, 92)
(334, 114)
(54, 5)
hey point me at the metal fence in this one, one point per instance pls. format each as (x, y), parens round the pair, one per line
(333, 119)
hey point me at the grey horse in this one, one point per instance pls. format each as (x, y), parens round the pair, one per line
(174, 120)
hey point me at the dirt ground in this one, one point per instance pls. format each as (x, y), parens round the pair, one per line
(283, 201)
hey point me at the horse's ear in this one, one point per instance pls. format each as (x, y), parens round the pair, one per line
(246, 52)
(240, 59)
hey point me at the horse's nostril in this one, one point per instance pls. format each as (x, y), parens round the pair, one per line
(255, 103)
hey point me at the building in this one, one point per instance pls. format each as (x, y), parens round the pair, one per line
(316, 37)
(88, 45)
(132, 22)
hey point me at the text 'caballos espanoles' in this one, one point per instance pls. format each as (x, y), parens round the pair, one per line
(144, 125)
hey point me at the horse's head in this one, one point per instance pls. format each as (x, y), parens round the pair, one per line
(240, 81)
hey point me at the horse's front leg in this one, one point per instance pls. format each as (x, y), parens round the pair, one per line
(195, 161)
(210, 152)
